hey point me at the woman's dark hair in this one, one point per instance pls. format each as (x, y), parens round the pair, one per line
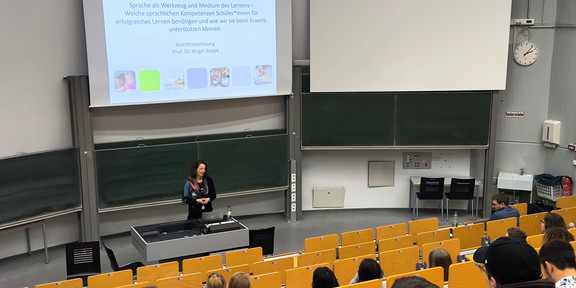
(554, 220)
(440, 257)
(369, 269)
(557, 233)
(323, 277)
(195, 166)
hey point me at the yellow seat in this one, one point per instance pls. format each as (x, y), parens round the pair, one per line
(470, 235)
(358, 236)
(451, 246)
(229, 271)
(466, 275)
(321, 243)
(422, 225)
(72, 283)
(572, 231)
(498, 228)
(324, 256)
(535, 240)
(399, 261)
(345, 269)
(391, 231)
(434, 275)
(357, 250)
(202, 265)
(530, 224)
(432, 236)
(151, 273)
(193, 280)
(569, 214)
(244, 256)
(376, 283)
(279, 265)
(302, 276)
(111, 279)
(268, 280)
(566, 202)
(521, 207)
(396, 243)
(136, 285)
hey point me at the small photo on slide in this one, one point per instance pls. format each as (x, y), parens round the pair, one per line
(220, 77)
(124, 81)
(174, 79)
(263, 74)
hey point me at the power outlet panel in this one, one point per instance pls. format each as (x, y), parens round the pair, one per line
(417, 160)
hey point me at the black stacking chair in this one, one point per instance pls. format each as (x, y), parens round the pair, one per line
(461, 189)
(262, 238)
(431, 189)
(83, 260)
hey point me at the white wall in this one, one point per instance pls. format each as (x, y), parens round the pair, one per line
(349, 169)
(42, 42)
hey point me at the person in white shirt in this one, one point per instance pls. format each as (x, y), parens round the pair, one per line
(557, 259)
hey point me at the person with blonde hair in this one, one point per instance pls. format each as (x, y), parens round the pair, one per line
(240, 280)
(216, 280)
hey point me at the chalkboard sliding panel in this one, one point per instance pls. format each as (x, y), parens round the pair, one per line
(247, 164)
(143, 175)
(39, 186)
(347, 120)
(136, 177)
(457, 119)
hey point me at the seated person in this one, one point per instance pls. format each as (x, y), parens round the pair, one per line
(510, 262)
(413, 282)
(557, 233)
(323, 277)
(440, 257)
(368, 269)
(216, 280)
(557, 259)
(240, 280)
(500, 203)
(516, 233)
(552, 220)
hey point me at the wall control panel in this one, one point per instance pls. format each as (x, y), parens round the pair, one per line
(417, 160)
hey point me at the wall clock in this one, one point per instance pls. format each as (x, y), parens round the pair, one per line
(526, 53)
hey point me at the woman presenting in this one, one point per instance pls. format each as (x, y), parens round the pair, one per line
(199, 191)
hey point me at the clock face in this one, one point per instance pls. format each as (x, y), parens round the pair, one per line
(526, 53)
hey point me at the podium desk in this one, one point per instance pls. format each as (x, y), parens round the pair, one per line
(415, 187)
(189, 237)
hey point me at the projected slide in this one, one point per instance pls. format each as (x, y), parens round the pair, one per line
(187, 50)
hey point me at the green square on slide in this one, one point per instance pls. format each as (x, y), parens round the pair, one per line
(149, 80)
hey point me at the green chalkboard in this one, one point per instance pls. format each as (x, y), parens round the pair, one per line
(247, 164)
(396, 119)
(348, 119)
(431, 119)
(37, 184)
(146, 174)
